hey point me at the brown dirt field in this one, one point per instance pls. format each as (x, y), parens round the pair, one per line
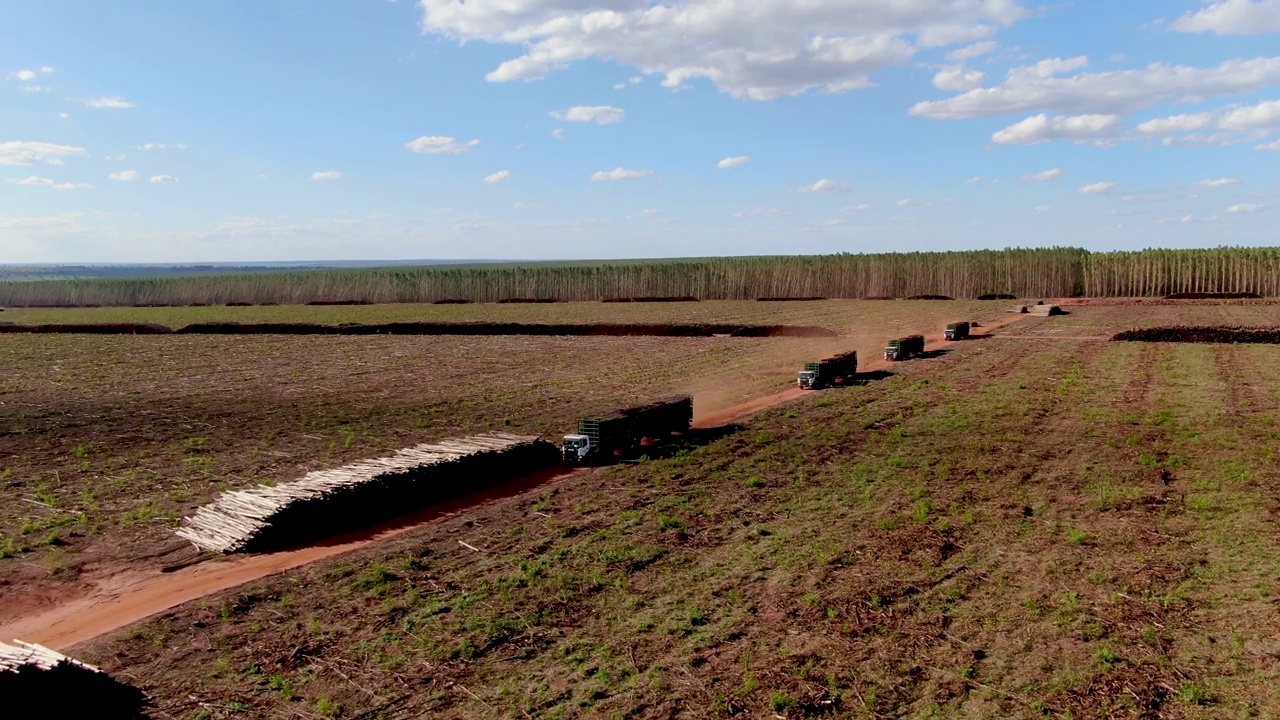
(107, 441)
(1018, 528)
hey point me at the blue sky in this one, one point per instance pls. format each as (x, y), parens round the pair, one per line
(365, 129)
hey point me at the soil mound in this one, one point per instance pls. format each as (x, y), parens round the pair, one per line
(440, 328)
(878, 297)
(484, 328)
(239, 304)
(1213, 296)
(1202, 334)
(931, 297)
(509, 301)
(650, 299)
(89, 329)
(789, 299)
(339, 302)
(997, 296)
(451, 302)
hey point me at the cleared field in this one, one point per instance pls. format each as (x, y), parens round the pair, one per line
(1019, 528)
(105, 441)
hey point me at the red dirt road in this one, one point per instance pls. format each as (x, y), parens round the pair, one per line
(123, 597)
(120, 597)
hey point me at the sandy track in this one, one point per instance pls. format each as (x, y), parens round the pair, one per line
(123, 596)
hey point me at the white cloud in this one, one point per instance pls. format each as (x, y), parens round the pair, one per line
(322, 175)
(558, 133)
(1043, 128)
(619, 174)
(619, 86)
(22, 75)
(1042, 87)
(975, 180)
(1098, 188)
(1184, 220)
(124, 175)
(826, 225)
(162, 179)
(1233, 17)
(163, 146)
(908, 202)
(46, 182)
(970, 52)
(756, 49)
(34, 88)
(762, 212)
(1245, 208)
(497, 177)
(64, 116)
(1041, 208)
(1218, 182)
(733, 162)
(956, 77)
(636, 79)
(1236, 123)
(46, 69)
(823, 185)
(30, 153)
(111, 103)
(1046, 176)
(1273, 146)
(440, 145)
(598, 114)
(852, 209)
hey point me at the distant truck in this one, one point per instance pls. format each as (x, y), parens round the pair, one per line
(957, 331)
(602, 438)
(904, 348)
(835, 370)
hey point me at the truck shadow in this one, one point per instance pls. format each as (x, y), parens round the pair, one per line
(689, 440)
(931, 354)
(864, 378)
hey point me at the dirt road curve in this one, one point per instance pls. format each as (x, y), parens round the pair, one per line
(121, 597)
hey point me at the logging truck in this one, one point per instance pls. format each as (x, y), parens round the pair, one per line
(827, 372)
(604, 437)
(904, 348)
(957, 331)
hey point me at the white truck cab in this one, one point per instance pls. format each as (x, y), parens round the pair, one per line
(576, 447)
(805, 378)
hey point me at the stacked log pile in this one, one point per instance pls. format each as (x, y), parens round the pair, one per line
(441, 328)
(1194, 334)
(33, 676)
(329, 502)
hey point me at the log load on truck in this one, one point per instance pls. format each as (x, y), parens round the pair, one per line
(957, 331)
(904, 348)
(827, 372)
(601, 438)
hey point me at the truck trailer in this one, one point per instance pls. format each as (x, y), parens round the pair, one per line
(957, 331)
(904, 348)
(601, 438)
(835, 370)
